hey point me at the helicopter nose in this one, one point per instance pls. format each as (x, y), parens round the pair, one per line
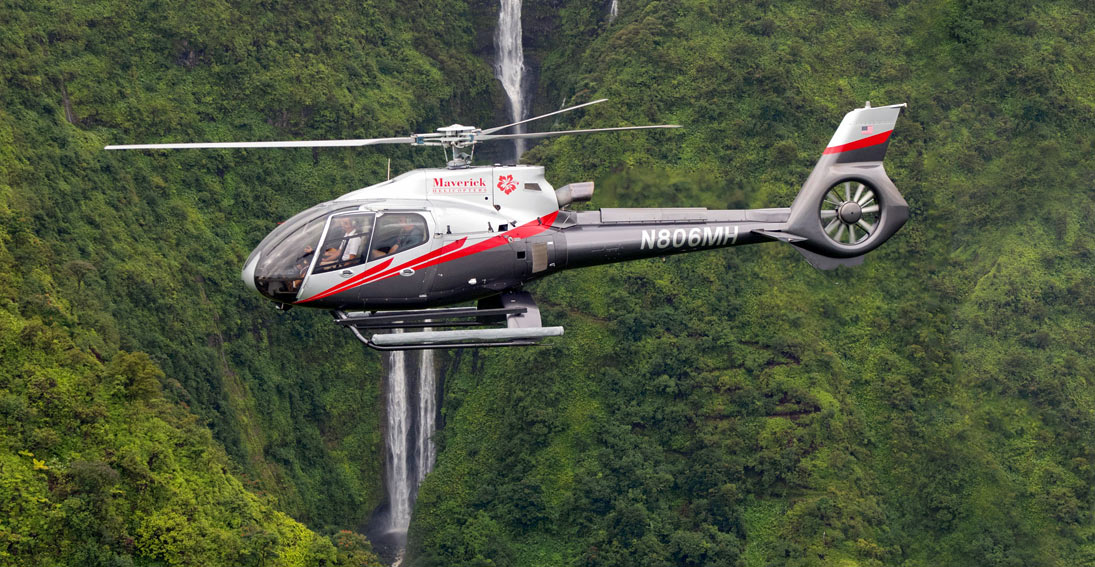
(248, 274)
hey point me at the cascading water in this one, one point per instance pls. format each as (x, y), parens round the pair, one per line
(613, 11)
(399, 481)
(412, 417)
(510, 65)
(427, 412)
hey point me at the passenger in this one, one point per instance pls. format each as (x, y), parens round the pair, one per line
(403, 233)
(301, 266)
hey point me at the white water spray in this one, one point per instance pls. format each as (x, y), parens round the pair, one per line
(399, 490)
(412, 413)
(425, 452)
(613, 11)
(510, 66)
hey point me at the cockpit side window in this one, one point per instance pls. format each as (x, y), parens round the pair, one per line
(346, 242)
(397, 232)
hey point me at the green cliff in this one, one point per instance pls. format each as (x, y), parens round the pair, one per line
(934, 406)
(108, 254)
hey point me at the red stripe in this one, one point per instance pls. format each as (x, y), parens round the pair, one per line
(526, 230)
(414, 262)
(350, 282)
(446, 253)
(859, 144)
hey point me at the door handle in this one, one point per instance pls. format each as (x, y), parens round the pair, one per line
(346, 273)
(406, 272)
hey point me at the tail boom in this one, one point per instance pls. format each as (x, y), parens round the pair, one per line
(616, 235)
(848, 189)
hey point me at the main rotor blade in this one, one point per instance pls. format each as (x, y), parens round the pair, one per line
(568, 109)
(282, 144)
(486, 137)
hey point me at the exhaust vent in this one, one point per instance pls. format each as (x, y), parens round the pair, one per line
(574, 193)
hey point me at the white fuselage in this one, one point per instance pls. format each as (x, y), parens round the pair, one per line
(464, 201)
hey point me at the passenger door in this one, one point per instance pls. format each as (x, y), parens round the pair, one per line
(402, 242)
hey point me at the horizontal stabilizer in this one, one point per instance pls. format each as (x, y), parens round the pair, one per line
(827, 263)
(465, 335)
(780, 235)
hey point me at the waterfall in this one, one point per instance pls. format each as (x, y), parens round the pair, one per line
(613, 11)
(425, 452)
(399, 489)
(412, 415)
(510, 65)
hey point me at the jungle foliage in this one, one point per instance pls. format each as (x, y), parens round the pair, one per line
(114, 257)
(933, 406)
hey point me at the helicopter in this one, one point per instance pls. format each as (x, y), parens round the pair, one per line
(398, 254)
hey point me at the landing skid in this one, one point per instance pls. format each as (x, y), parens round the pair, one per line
(513, 320)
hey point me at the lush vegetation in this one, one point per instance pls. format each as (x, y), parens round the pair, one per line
(110, 255)
(934, 406)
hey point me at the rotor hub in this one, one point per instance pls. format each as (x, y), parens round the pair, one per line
(850, 212)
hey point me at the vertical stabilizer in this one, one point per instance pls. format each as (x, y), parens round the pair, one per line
(848, 205)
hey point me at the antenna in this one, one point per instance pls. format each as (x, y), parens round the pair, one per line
(389, 168)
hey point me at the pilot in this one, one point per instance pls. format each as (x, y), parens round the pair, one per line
(330, 256)
(355, 238)
(301, 266)
(402, 233)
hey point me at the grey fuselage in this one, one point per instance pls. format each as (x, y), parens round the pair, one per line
(434, 237)
(456, 268)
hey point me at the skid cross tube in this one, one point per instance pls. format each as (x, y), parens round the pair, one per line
(369, 343)
(516, 323)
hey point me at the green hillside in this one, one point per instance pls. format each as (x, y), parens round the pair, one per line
(107, 254)
(934, 406)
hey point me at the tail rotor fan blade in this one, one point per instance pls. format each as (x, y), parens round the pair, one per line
(849, 212)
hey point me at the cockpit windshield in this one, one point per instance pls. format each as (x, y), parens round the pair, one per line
(282, 268)
(292, 225)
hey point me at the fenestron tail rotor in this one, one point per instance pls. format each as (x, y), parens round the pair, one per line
(850, 212)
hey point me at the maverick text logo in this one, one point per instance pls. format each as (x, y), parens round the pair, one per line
(442, 185)
(691, 237)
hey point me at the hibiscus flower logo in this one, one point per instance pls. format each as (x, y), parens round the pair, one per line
(506, 184)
